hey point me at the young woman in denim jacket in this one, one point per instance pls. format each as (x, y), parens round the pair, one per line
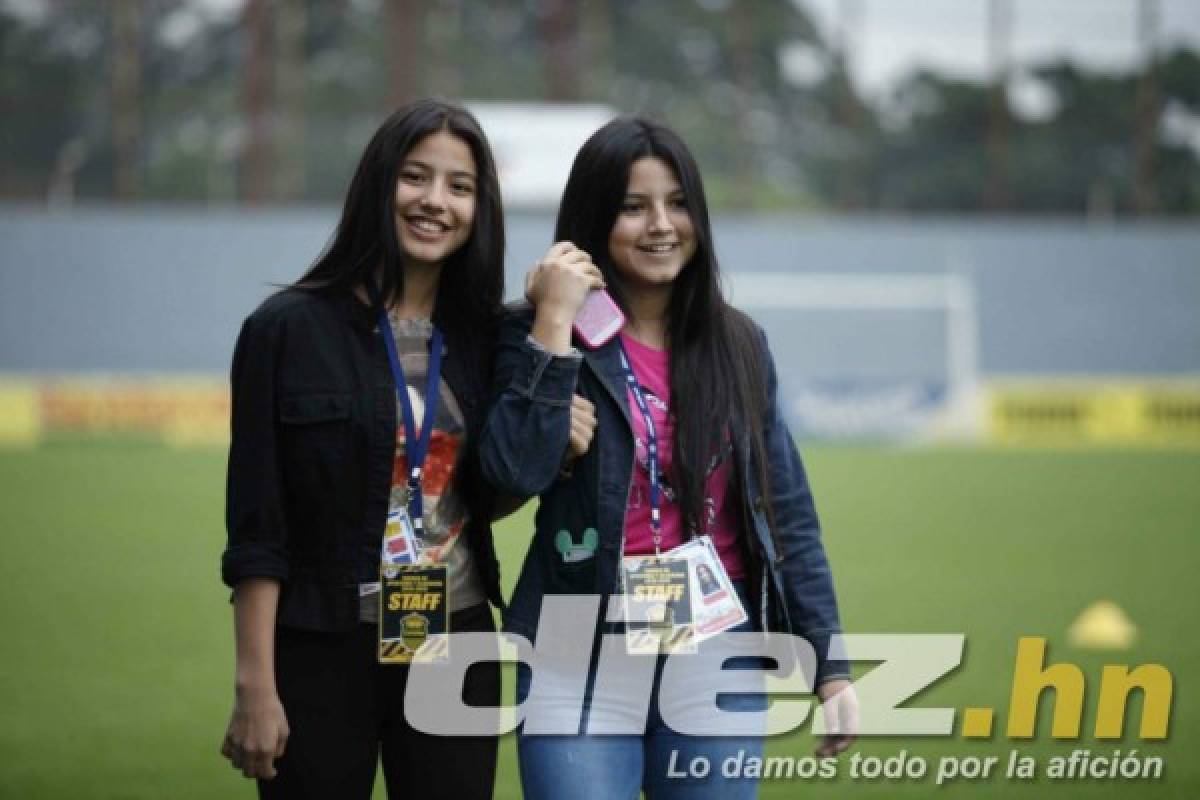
(563, 426)
(318, 457)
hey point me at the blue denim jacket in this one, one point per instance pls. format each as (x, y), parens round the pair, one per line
(524, 439)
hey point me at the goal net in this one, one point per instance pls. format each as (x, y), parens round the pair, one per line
(870, 356)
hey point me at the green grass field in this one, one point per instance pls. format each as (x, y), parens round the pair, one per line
(115, 679)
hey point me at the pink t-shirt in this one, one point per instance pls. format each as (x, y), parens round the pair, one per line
(652, 369)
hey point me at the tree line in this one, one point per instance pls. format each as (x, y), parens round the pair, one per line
(270, 103)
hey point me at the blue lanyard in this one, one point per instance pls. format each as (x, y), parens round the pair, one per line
(415, 448)
(651, 450)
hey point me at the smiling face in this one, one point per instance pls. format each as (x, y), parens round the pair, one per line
(653, 237)
(435, 198)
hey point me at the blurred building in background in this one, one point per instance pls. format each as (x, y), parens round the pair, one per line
(1009, 256)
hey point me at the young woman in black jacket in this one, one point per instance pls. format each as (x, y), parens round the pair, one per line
(336, 399)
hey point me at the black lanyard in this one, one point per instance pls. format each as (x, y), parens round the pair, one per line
(415, 447)
(651, 451)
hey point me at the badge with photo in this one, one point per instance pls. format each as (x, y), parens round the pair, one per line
(716, 607)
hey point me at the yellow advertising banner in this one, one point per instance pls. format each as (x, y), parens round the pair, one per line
(1154, 413)
(20, 414)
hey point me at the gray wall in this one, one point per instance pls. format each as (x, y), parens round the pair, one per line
(133, 291)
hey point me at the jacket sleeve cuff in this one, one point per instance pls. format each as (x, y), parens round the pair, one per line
(545, 377)
(539, 347)
(827, 668)
(253, 560)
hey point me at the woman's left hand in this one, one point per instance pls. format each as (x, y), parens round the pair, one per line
(839, 704)
(583, 426)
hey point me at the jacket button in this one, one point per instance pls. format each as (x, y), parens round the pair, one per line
(758, 503)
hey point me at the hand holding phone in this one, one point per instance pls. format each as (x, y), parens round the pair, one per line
(599, 319)
(562, 279)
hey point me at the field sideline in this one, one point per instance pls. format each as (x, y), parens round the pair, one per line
(118, 657)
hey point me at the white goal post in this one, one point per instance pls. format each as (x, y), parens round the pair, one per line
(950, 294)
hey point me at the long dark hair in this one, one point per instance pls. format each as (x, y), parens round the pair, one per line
(471, 287)
(717, 378)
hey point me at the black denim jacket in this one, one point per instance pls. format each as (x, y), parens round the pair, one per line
(310, 463)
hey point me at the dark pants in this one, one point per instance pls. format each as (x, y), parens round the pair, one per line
(344, 710)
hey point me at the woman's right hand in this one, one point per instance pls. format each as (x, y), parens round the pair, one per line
(257, 733)
(557, 287)
(560, 282)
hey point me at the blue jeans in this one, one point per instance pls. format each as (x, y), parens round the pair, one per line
(661, 761)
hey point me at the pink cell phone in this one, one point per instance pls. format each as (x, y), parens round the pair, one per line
(599, 319)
